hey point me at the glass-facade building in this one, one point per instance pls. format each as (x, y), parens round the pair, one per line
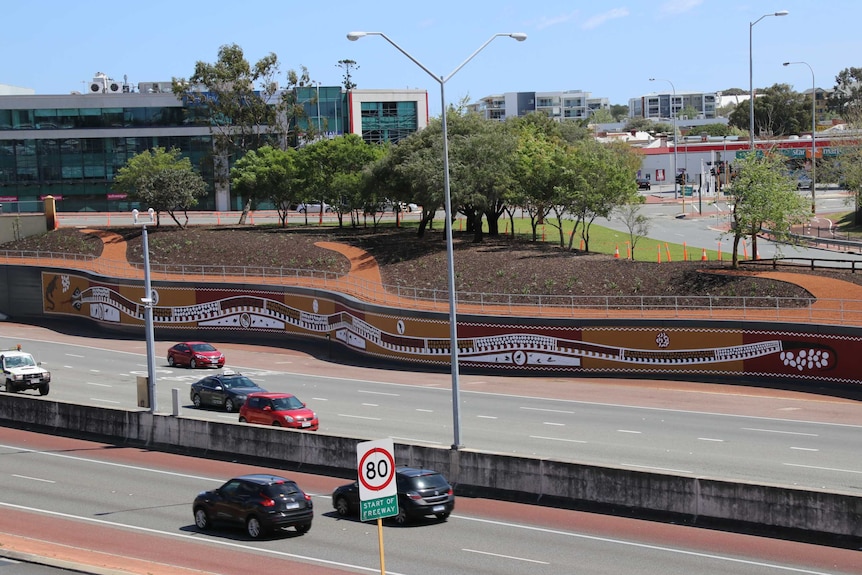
(72, 146)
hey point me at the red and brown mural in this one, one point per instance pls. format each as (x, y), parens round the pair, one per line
(508, 344)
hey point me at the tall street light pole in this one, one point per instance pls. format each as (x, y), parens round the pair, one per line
(751, 74)
(453, 325)
(675, 141)
(147, 300)
(813, 133)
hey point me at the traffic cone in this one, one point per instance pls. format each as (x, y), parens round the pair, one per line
(703, 255)
(617, 253)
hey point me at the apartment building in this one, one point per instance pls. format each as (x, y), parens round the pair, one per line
(666, 105)
(560, 105)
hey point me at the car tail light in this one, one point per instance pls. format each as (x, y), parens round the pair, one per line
(413, 495)
(307, 496)
(266, 501)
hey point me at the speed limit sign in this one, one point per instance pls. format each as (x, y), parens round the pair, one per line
(378, 494)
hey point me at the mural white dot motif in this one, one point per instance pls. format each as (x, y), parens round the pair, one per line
(315, 306)
(806, 359)
(400, 327)
(245, 320)
(662, 340)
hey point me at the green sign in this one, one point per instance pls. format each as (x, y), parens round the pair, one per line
(378, 508)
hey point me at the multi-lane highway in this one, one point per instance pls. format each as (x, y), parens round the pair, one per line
(736, 433)
(130, 509)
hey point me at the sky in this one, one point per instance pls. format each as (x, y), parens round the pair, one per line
(610, 49)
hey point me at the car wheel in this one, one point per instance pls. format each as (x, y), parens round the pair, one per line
(202, 519)
(192, 363)
(171, 361)
(276, 424)
(242, 419)
(442, 516)
(196, 399)
(254, 528)
(401, 518)
(342, 507)
(11, 387)
(303, 528)
(228, 405)
(44, 389)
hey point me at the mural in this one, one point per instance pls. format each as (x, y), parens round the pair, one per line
(507, 344)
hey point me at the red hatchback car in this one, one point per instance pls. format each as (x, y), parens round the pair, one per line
(195, 354)
(278, 409)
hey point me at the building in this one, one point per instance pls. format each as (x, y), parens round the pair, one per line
(70, 146)
(661, 106)
(565, 105)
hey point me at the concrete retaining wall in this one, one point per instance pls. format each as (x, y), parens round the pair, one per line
(16, 226)
(823, 516)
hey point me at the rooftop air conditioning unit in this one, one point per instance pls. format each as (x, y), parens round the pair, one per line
(115, 87)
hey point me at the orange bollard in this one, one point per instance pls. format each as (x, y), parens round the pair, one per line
(684, 252)
(667, 251)
(703, 255)
(659, 253)
(582, 245)
(109, 218)
(719, 251)
(617, 253)
(218, 218)
(507, 229)
(460, 223)
(744, 250)
(628, 250)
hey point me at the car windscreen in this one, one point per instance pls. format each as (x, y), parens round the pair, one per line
(202, 347)
(435, 481)
(286, 403)
(286, 489)
(238, 383)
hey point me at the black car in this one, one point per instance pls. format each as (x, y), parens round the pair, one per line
(260, 503)
(421, 492)
(644, 184)
(226, 390)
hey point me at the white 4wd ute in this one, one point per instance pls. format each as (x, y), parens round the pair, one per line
(20, 371)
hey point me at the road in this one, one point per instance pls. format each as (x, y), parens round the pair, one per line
(736, 433)
(130, 506)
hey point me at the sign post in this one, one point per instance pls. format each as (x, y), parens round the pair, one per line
(378, 493)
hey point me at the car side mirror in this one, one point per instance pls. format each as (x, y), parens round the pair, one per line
(268, 408)
(218, 388)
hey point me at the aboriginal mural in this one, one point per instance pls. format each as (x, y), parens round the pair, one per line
(505, 344)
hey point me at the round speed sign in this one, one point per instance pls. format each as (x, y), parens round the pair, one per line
(376, 469)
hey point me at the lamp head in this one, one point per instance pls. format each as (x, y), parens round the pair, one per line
(786, 64)
(354, 36)
(652, 79)
(781, 13)
(519, 36)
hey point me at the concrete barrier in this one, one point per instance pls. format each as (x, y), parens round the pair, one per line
(826, 517)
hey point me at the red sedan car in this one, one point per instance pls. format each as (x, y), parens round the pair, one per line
(195, 354)
(278, 409)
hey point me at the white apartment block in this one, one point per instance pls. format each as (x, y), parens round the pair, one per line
(666, 105)
(561, 105)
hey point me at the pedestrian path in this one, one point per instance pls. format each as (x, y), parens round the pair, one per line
(837, 301)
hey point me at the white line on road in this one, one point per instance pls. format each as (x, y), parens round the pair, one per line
(103, 400)
(425, 410)
(99, 384)
(27, 477)
(778, 431)
(378, 393)
(74, 355)
(710, 439)
(369, 404)
(358, 417)
(804, 448)
(629, 431)
(506, 556)
(548, 410)
(655, 468)
(822, 468)
(416, 440)
(557, 439)
(486, 417)
(552, 423)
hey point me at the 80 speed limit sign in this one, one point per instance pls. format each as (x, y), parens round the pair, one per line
(378, 494)
(376, 469)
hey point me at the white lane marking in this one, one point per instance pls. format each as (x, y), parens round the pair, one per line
(358, 417)
(96, 399)
(636, 545)
(710, 439)
(547, 410)
(804, 448)
(370, 404)
(417, 440)
(822, 468)
(378, 393)
(505, 556)
(557, 439)
(75, 355)
(99, 384)
(27, 477)
(655, 468)
(196, 538)
(486, 417)
(629, 431)
(319, 399)
(779, 431)
(552, 423)
(283, 362)
(95, 371)
(425, 410)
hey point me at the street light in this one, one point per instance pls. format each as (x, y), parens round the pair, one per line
(751, 74)
(453, 326)
(675, 141)
(147, 300)
(813, 132)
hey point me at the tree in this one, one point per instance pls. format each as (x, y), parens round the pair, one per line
(269, 173)
(162, 180)
(241, 104)
(763, 194)
(636, 223)
(619, 112)
(536, 170)
(602, 116)
(778, 111)
(348, 65)
(846, 98)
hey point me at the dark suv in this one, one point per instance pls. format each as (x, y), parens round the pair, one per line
(421, 492)
(226, 390)
(260, 503)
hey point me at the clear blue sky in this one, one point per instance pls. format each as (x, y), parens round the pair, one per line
(610, 49)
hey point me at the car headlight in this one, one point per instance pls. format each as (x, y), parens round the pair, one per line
(18, 377)
(288, 419)
(240, 398)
